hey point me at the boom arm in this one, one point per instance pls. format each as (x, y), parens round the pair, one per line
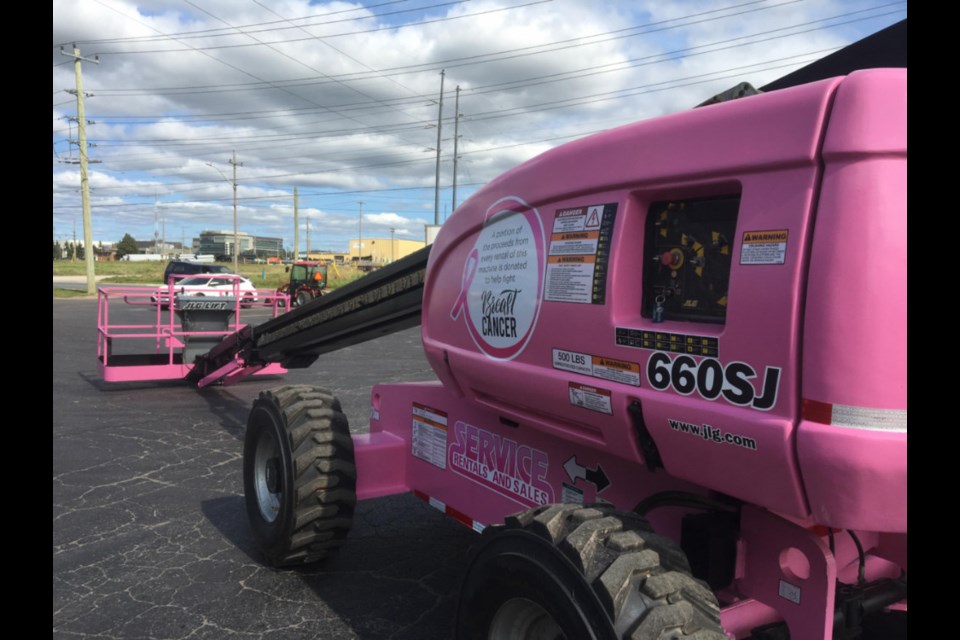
(383, 302)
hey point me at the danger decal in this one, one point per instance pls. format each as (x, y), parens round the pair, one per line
(514, 470)
(579, 253)
(503, 280)
(735, 382)
(591, 398)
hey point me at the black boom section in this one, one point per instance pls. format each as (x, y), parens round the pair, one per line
(382, 302)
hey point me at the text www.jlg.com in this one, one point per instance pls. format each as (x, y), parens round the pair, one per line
(713, 434)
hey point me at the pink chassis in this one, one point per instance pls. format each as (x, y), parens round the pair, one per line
(163, 338)
(537, 381)
(780, 559)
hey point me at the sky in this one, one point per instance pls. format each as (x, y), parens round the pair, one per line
(340, 100)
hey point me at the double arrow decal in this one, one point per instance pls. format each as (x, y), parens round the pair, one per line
(596, 477)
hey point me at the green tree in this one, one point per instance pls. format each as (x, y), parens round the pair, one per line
(57, 251)
(126, 246)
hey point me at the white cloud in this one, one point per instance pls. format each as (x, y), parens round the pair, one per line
(352, 117)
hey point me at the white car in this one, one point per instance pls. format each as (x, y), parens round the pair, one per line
(214, 285)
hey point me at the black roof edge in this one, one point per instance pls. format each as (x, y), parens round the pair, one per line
(885, 48)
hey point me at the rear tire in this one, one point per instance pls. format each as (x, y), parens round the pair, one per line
(299, 476)
(567, 571)
(303, 297)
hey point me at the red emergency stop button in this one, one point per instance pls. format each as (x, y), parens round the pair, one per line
(672, 258)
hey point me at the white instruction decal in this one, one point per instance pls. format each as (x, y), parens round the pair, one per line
(429, 441)
(571, 495)
(764, 247)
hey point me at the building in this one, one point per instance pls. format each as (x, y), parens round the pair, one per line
(381, 251)
(220, 244)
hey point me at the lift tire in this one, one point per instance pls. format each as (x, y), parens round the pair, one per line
(575, 572)
(299, 475)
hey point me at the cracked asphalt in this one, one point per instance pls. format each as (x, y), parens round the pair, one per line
(150, 536)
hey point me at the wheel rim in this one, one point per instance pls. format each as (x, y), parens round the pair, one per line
(266, 476)
(523, 619)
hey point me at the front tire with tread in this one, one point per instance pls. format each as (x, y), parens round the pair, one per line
(299, 475)
(569, 571)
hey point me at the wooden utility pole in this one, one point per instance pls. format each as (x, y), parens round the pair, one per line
(296, 226)
(236, 234)
(360, 241)
(84, 179)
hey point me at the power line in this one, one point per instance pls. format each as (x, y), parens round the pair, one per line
(220, 32)
(335, 35)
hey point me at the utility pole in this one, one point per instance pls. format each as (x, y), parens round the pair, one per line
(436, 188)
(84, 179)
(456, 136)
(392, 229)
(360, 241)
(296, 226)
(308, 237)
(236, 235)
(73, 256)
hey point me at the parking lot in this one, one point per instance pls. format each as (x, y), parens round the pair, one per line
(150, 536)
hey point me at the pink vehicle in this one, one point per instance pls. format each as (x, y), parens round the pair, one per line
(672, 381)
(671, 363)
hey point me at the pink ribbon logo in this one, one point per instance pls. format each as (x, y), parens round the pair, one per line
(469, 270)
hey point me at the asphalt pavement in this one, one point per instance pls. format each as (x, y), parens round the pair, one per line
(150, 536)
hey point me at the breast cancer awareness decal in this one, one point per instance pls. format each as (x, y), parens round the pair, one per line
(502, 282)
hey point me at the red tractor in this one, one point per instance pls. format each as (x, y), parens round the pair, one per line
(308, 280)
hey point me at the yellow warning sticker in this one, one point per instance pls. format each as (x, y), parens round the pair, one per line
(764, 247)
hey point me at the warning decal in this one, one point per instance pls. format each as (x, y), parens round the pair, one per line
(673, 342)
(592, 398)
(764, 247)
(611, 369)
(429, 441)
(579, 253)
